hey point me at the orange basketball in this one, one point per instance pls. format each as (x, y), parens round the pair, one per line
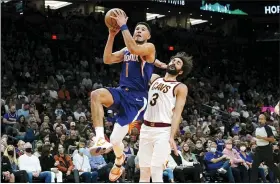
(112, 23)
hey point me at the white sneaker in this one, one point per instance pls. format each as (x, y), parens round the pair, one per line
(100, 146)
(222, 171)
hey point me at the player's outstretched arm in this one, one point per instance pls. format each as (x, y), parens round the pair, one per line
(160, 64)
(181, 92)
(108, 56)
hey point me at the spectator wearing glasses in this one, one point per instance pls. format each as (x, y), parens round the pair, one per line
(238, 165)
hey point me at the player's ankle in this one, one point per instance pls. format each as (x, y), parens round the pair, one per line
(99, 132)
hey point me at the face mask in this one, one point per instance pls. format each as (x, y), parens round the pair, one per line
(171, 69)
(213, 150)
(198, 145)
(81, 150)
(276, 151)
(253, 150)
(11, 152)
(243, 148)
(28, 150)
(229, 146)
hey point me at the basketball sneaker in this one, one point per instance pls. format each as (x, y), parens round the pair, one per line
(117, 170)
(100, 146)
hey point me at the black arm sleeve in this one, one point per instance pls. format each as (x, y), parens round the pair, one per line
(268, 131)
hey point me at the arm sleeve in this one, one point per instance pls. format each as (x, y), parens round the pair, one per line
(268, 131)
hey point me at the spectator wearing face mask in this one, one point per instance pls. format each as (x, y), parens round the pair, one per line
(199, 151)
(238, 165)
(249, 160)
(7, 175)
(31, 165)
(216, 161)
(20, 176)
(81, 163)
(220, 142)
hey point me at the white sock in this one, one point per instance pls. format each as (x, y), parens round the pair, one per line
(99, 132)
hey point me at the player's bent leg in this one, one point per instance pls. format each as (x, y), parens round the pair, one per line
(118, 134)
(145, 174)
(99, 98)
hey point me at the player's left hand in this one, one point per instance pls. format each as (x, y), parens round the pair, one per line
(120, 18)
(173, 145)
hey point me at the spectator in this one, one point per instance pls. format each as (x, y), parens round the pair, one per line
(10, 118)
(215, 162)
(249, 160)
(63, 93)
(238, 165)
(65, 164)
(81, 163)
(183, 169)
(47, 162)
(6, 169)
(78, 113)
(31, 165)
(20, 148)
(99, 164)
(20, 176)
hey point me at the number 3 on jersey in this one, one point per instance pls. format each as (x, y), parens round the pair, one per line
(153, 102)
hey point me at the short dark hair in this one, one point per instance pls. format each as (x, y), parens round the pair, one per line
(145, 24)
(187, 63)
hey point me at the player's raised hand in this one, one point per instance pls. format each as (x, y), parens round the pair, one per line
(120, 17)
(173, 145)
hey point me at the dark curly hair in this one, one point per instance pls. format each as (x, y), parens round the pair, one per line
(187, 63)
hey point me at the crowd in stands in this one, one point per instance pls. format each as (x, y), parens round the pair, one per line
(46, 127)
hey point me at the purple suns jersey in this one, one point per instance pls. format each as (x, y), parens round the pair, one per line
(135, 74)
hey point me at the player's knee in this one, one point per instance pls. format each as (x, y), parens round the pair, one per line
(94, 95)
(115, 141)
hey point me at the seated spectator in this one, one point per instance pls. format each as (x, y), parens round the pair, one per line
(20, 148)
(31, 165)
(169, 173)
(7, 175)
(220, 142)
(59, 112)
(81, 163)
(238, 165)
(215, 162)
(182, 169)
(65, 165)
(99, 164)
(38, 148)
(47, 163)
(10, 118)
(20, 127)
(249, 160)
(128, 151)
(63, 93)
(59, 122)
(78, 113)
(20, 176)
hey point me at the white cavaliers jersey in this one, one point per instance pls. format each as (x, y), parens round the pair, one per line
(161, 101)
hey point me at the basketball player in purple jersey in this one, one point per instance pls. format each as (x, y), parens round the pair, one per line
(130, 98)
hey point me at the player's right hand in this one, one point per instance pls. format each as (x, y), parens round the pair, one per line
(173, 145)
(113, 32)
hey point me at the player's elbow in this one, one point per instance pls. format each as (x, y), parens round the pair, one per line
(106, 60)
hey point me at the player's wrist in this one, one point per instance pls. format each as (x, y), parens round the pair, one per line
(124, 27)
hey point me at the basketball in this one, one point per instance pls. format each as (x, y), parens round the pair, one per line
(112, 23)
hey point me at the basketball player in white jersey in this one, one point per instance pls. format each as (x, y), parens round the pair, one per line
(166, 101)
